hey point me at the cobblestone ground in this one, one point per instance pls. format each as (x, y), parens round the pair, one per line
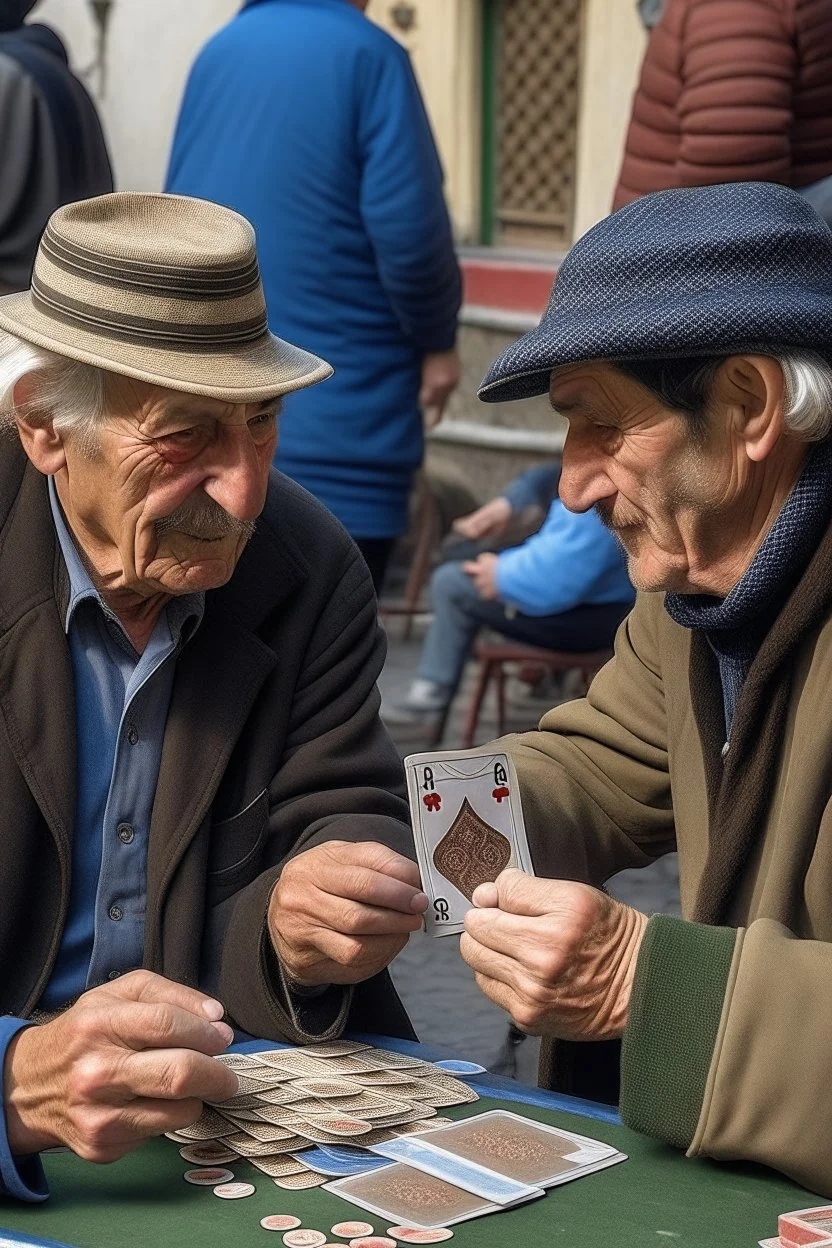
(438, 989)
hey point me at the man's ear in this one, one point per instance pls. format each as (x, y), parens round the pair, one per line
(752, 389)
(41, 441)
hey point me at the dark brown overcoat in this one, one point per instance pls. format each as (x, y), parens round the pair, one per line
(273, 744)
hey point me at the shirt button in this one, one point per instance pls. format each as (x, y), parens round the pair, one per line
(115, 913)
(126, 833)
(133, 734)
(726, 747)
(114, 975)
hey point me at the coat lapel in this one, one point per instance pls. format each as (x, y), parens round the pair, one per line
(740, 798)
(37, 701)
(218, 677)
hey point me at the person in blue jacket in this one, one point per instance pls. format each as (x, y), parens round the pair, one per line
(564, 588)
(306, 117)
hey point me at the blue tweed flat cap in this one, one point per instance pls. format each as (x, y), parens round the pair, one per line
(745, 266)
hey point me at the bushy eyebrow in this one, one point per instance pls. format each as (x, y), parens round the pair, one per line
(179, 411)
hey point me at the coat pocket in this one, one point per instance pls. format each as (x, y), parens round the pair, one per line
(236, 842)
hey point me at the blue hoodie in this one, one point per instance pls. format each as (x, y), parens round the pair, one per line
(573, 560)
(306, 117)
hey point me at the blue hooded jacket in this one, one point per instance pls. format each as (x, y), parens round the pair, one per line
(306, 117)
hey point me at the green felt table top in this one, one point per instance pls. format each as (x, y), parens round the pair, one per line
(658, 1197)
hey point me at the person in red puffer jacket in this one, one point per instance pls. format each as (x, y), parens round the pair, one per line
(733, 91)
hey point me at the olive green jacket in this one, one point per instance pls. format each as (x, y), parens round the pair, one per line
(729, 1044)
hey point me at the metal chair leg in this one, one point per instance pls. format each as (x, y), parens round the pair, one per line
(500, 677)
(475, 705)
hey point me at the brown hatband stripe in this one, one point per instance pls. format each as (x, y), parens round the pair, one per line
(86, 253)
(195, 285)
(170, 335)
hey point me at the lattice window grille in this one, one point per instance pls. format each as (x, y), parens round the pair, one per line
(538, 45)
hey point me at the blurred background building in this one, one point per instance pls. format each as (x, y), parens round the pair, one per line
(529, 101)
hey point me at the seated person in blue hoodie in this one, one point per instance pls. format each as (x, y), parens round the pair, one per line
(564, 588)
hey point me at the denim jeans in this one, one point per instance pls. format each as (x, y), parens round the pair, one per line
(459, 614)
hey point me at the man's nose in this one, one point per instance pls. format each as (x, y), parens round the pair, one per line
(583, 479)
(237, 476)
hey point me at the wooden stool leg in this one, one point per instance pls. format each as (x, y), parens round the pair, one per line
(420, 566)
(475, 705)
(501, 700)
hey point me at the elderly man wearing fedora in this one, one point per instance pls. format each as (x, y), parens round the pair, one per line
(195, 779)
(688, 342)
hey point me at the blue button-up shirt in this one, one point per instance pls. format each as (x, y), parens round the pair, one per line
(122, 700)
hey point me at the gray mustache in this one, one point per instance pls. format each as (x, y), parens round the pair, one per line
(207, 520)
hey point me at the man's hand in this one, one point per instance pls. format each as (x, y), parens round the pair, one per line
(440, 377)
(130, 1060)
(489, 521)
(483, 572)
(340, 912)
(559, 957)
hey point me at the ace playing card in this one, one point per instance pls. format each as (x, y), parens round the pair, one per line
(468, 826)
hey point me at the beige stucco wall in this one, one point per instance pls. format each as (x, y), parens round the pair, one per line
(150, 48)
(613, 47)
(444, 44)
(152, 44)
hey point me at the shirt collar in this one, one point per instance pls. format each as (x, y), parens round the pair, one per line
(183, 613)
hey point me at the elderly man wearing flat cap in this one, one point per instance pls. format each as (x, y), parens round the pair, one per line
(195, 779)
(688, 342)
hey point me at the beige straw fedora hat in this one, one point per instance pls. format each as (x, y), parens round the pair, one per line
(163, 288)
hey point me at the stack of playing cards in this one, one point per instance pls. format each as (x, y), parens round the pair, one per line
(803, 1226)
(468, 826)
(481, 1165)
(297, 1108)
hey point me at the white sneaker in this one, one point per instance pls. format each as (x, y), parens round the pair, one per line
(425, 699)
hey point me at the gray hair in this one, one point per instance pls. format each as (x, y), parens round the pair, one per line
(72, 393)
(685, 384)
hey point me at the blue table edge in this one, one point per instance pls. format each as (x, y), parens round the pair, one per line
(496, 1086)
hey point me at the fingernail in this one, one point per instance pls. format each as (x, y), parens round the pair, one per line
(225, 1031)
(420, 903)
(213, 1009)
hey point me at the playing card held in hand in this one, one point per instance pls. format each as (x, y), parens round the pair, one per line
(468, 827)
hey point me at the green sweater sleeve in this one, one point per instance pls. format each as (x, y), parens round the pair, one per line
(679, 989)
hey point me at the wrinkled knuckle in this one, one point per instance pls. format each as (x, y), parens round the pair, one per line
(161, 1021)
(89, 1075)
(526, 1016)
(94, 1129)
(545, 965)
(352, 954)
(176, 1078)
(536, 993)
(351, 918)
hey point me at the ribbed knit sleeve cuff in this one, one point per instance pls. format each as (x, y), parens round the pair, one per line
(20, 1177)
(678, 994)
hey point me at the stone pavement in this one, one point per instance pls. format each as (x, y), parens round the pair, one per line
(438, 989)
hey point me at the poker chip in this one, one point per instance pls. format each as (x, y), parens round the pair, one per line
(208, 1154)
(208, 1178)
(352, 1230)
(416, 1235)
(373, 1241)
(279, 1222)
(304, 1239)
(234, 1191)
(455, 1067)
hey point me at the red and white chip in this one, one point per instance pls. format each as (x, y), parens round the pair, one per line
(234, 1191)
(418, 1235)
(373, 1241)
(351, 1230)
(208, 1177)
(279, 1222)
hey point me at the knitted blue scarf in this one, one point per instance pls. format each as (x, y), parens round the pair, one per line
(736, 625)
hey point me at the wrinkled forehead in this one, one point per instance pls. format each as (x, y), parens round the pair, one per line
(141, 400)
(587, 384)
